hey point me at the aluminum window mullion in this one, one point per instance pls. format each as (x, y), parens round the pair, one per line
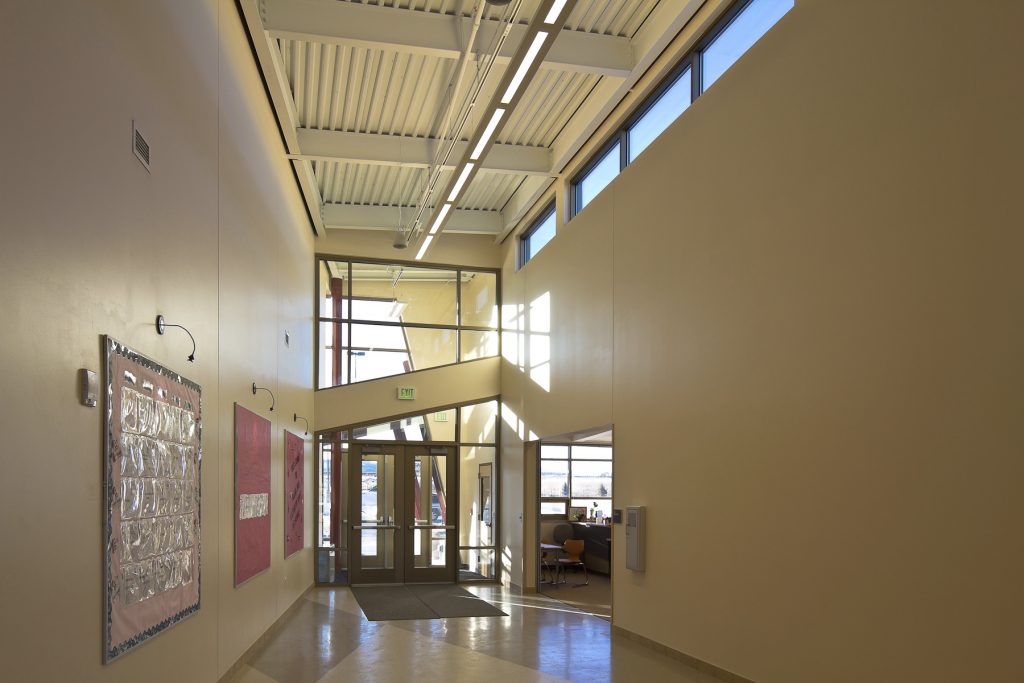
(348, 354)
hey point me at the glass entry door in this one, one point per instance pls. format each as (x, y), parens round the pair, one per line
(403, 512)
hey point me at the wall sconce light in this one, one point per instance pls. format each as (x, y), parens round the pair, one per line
(296, 418)
(272, 399)
(161, 327)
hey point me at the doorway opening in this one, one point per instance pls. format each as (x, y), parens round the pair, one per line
(409, 500)
(402, 532)
(574, 519)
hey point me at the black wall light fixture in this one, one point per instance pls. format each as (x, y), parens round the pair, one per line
(296, 418)
(161, 327)
(272, 399)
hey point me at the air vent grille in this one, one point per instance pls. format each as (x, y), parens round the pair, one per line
(140, 146)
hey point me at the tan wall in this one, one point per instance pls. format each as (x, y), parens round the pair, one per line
(215, 239)
(816, 364)
(366, 401)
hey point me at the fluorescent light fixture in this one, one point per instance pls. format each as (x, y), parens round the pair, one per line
(488, 132)
(556, 9)
(397, 308)
(531, 55)
(440, 218)
(423, 249)
(460, 182)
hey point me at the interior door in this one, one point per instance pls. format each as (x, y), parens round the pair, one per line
(431, 538)
(403, 502)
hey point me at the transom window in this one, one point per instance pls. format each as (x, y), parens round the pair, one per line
(732, 36)
(540, 233)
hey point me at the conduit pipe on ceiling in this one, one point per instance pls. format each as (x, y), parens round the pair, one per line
(460, 72)
(445, 153)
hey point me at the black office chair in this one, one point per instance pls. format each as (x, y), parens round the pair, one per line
(562, 533)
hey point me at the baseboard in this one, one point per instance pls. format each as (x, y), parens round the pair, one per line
(689, 660)
(274, 628)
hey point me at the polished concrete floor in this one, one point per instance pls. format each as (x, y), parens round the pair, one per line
(595, 597)
(328, 640)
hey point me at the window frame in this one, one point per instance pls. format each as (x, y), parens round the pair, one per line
(569, 459)
(652, 99)
(542, 217)
(348, 322)
(721, 24)
(693, 59)
(599, 156)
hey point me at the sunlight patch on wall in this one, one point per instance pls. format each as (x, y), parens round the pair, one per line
(539, 332)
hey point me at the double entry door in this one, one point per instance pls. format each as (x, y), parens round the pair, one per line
(404, 511)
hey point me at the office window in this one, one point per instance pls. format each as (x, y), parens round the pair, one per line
(597, 177)
(666, 108)
(575, 476)
(540, 233)
(752, 22)
(384, 319)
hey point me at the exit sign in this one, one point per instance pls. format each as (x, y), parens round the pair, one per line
(406, 393)
(441, 416)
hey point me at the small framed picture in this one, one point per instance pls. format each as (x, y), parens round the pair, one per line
(578, 513)
(486, 493)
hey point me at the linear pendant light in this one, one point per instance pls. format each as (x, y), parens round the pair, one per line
(524, 66)
(424, 247)
(466, 170)
(440, 218)
(488, 133)
(541, 32)
(554, 12)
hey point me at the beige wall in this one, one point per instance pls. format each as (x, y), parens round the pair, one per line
(814, 331)
(215, 238)
(365, 401)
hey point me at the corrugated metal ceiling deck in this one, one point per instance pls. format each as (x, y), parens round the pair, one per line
(366, 90)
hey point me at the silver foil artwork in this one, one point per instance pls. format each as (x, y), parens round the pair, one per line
(153, 456)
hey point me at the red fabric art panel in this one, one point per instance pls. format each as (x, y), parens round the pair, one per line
(252, 494)
(294, 485)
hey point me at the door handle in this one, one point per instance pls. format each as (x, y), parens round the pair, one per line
(385, 526)
(431, 526)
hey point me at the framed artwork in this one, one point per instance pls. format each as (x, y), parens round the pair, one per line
(294, 486)
(486, 493)
(151, 530)
(578, 513)
(252, 494)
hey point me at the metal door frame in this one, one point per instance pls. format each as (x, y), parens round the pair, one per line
(402, 524)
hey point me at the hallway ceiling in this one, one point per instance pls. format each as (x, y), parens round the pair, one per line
(359, 88)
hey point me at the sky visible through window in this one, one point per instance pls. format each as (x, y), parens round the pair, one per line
(598, 177)
(752, 23)
(667, 109)
(536, 240)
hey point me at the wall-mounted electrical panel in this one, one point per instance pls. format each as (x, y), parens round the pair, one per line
(636, 537)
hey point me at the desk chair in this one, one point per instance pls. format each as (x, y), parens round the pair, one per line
(574, 549)
(547, 562)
